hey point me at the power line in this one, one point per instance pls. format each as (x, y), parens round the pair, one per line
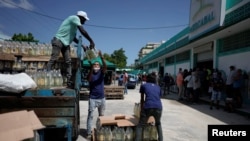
(99, 26)
(33, 11)
(138, 28)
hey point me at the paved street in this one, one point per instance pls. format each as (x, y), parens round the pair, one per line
(180, 122)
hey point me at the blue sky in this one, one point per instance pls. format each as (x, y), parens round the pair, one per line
(113, 24)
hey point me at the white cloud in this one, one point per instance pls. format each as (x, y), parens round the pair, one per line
(16, 4)
(4, 36)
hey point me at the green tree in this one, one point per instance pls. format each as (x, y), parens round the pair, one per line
(119, 58)
(22, 37)
(107, 57)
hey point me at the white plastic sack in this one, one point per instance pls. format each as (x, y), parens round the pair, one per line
(16, 83)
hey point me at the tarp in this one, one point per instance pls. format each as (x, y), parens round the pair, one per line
(136, 72)
(110, 65)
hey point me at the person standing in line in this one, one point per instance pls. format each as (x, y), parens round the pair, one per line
(65, 35)
(237, 85)
(230, 80)
(166, 81)
(189, 82)
(184, 74)
(96, 94)
(196, 86)
(151, 105)
(125, 81)
(179, 82)
(217, 84)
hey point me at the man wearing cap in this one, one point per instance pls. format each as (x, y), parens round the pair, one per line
(65, 35)
(96, 90)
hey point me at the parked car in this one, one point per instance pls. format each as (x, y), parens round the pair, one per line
(131, 81)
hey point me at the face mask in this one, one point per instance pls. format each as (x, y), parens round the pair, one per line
(96, 69)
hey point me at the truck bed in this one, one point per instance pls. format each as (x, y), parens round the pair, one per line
(55, 107)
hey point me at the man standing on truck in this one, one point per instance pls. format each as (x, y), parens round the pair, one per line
(65, 35)
(96, 94)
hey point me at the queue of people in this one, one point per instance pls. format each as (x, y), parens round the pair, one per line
(194, 83)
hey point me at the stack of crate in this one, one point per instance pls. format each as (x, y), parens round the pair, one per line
(32, 58)
(114, 92)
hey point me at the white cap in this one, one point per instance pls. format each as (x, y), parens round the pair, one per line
(83, 14)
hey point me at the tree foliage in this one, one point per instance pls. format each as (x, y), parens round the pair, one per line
(118, 57)
(22, 37)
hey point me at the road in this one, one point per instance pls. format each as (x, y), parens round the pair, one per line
(180, 121)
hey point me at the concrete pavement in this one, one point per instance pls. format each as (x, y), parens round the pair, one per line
(180, 121)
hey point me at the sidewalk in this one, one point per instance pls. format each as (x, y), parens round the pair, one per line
(244, 110)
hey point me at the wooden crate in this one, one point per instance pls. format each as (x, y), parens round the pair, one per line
(114, 92)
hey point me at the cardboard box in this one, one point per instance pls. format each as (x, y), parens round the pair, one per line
(19, 125)
(120, 120)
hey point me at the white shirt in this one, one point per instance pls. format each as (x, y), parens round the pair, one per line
(189, 81)
(230, 77)
(196, 82)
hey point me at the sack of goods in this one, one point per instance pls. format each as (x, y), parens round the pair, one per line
(16, 83)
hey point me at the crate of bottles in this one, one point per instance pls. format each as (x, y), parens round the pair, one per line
(127, 133)
(119, 127)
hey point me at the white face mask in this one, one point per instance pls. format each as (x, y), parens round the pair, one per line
(96, 69)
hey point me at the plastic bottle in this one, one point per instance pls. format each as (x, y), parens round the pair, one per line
(129, 134)
(60, 77)
(92, 53)
(115, 133)
(47, 79)
(24, 49)
(7, 48)
(13, 49)
(42, 79)
(146, 133)
(120, 134)
(100, 134)
(108, 133)
(52, 80)
(42, 52)
(153, 133)
(72, 51)
(19, 64)
(40, 65)
(56, 78)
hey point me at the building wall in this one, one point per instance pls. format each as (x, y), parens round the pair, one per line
(239, 62)
(204, 48)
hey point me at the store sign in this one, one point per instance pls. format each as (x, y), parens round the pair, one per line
(205, 15)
